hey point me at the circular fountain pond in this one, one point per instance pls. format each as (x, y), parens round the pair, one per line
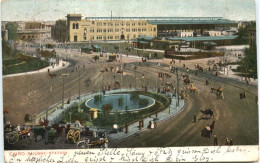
(125, 100)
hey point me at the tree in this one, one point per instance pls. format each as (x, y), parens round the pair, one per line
(27, 118)
(249, 63)
(243, 34)
(12, 28)
(60, 31)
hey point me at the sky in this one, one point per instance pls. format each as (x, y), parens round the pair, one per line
(51, 10)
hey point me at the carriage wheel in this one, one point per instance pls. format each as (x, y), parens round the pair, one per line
(13, 138)
(76, 137)
(38, 138)
(70, 136)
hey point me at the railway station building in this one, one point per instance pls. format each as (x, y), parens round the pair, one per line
(130, 28)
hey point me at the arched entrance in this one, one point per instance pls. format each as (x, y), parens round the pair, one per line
(122, 37)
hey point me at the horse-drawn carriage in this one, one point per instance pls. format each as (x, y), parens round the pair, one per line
(93, 142)
(193, 89)
(205, 132)
(13, 136)
(186, 79)
(75, 131)
(219, 92)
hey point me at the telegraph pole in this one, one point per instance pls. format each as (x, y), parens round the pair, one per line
(178, 100)
(63, 93)
(79, 83)
(121, 77)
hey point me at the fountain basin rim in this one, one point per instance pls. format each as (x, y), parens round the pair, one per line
(122, 111)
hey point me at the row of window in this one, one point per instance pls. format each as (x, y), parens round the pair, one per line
(117, 24)
(117, 30)
(108, 37)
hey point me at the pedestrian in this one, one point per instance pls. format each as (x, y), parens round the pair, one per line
(231, 142)
(227, 141)
(215, 140)
(241, 95)
(18, 127)
(207, 82)
(194, 119)
(114, 77)
(244, 94)
(216, 73)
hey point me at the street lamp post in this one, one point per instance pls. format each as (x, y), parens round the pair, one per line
(63, 92)
(79, 83)
(177, 87)
(63, 89)
(70, 116)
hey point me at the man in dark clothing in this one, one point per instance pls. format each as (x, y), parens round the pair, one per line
(215, 140)
(231, 142)
(194, 118)
(241, 95)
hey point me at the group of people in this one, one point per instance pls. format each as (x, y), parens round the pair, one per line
(227, 142)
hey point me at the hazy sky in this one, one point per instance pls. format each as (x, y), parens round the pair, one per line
(13, 10)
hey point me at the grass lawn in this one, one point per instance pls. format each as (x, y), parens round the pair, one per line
(25, 64)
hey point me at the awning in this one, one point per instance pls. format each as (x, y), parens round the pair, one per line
(143, 42)
(86, 47)
(96, 46)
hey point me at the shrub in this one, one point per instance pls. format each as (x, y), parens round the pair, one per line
(27, 118)
(143, 102)
(107, 108)
(134, 96)
(97, 98)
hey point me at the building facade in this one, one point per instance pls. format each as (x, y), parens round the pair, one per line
(105, 28)
(130, 28)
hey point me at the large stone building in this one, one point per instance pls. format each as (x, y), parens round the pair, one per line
(105, 28)
(29, 31)
(130, 28)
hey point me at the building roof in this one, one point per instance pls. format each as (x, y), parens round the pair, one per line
(96, 46)
(143, 42)
(148, 38)
(73, 15)
(231, 31)
(156, 18)
(207, 38)
(192, 21)
(86, 47)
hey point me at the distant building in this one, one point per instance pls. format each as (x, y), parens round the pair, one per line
(185, 34)
(29, 31)
(212, 33)
(59, 31)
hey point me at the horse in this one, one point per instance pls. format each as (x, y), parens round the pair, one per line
(207, 112)
(117, 84)
(58, 128)
(213, 89)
